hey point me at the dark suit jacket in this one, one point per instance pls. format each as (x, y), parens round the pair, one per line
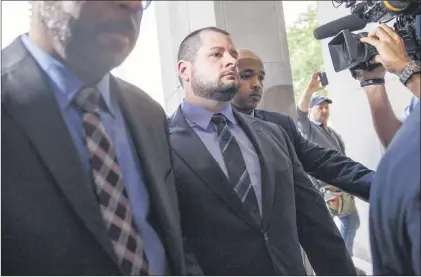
(327, 165)
(225, 238)
(50, 221)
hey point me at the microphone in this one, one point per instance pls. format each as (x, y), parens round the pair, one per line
(350, 22)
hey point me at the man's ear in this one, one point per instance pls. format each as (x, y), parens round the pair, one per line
(183, 69)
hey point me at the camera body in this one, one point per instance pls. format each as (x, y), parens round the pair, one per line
(346, 50)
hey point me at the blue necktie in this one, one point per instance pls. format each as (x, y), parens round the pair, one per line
(237, 172)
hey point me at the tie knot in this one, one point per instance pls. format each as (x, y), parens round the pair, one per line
(219, 120)
(88, 99)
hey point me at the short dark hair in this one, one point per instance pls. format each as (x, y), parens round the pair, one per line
(192, 42)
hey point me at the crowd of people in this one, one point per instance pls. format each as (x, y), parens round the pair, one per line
(98, 180)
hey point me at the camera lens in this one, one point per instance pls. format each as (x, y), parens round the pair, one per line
(347, 51)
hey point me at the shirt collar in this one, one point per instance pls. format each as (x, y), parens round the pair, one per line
(202, 117)
(64, 80)
(252, 113)
(317, 122)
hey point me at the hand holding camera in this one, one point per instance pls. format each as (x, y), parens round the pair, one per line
(391, 48)
(398, 47)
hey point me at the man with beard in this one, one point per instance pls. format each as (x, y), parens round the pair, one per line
(325, 164)
(87, 185)
(246, 203)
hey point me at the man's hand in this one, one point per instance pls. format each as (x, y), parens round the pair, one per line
(314, 84)
(391, 48)
(334, 203)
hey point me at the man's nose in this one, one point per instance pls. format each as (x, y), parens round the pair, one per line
(231, 61)
(257, 84)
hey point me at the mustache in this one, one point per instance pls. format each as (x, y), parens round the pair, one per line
(230, 72)
(257, 92)
(123, 27)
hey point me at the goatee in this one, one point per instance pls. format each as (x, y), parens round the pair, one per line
(213, 90)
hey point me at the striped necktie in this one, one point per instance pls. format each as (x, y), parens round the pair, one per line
(237, 172)
(109, 187)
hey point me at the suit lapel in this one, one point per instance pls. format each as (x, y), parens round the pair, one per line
(259, 114)
(259, 140)
(190, 148)
(34, 107)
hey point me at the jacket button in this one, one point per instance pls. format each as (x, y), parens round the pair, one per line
(265, 235)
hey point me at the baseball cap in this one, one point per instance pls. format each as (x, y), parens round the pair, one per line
(316, 100)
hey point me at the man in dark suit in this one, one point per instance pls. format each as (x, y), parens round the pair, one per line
(245, 202)
(324, 164)
(87, 185)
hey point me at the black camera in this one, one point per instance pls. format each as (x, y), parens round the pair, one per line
(346, 50)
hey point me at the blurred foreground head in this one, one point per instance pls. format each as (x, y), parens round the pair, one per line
(90, 37)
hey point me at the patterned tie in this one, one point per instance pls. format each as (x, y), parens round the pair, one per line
(237, 171)
(109, 187)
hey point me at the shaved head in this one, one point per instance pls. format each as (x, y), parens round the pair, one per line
(245, 57)
(247, 54)
(252, 75)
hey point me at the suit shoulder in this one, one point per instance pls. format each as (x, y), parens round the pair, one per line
(8, 69)
(275, 117)
(274, 114)
(12, 56)
(270, 127)
(138, 93)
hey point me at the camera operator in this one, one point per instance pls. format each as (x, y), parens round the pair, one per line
(395, 192)
(393, 58)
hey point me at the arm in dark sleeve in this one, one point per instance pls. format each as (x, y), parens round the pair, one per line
(303, 122)
(317, 231)
(331, 167)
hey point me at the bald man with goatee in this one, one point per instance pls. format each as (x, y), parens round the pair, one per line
(246, 204)
(324, 164)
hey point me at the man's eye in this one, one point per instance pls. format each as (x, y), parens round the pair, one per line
(245, 76)
(216, 54)
(261, 78)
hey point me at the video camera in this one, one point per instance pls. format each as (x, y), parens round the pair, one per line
(346, 50)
